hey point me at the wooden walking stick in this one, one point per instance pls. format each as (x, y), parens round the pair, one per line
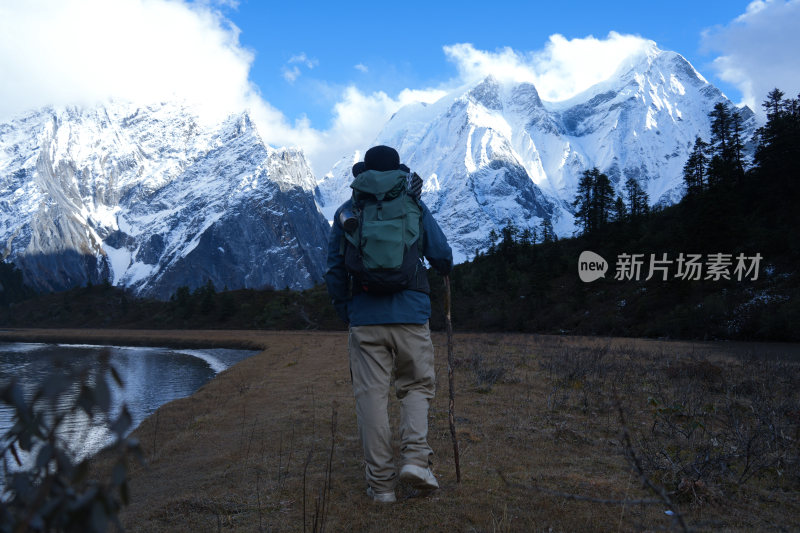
(449, 326)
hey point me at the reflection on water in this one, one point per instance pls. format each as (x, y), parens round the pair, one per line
(152, 377)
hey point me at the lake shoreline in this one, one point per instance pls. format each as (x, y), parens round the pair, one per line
(149, 377)
(235, 339)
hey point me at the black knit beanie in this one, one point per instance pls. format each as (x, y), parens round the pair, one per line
(381, 158)
(358, 168)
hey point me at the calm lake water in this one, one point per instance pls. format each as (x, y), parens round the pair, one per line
(151, 377)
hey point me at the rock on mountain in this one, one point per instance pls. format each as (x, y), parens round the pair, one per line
(154, 198)
(495, 152)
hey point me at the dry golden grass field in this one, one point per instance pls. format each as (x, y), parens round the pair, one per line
(556, 434)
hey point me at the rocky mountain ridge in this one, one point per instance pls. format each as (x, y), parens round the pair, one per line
(153, 198)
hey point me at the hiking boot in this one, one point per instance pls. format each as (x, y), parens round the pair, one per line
(381, 497)
(420, 478)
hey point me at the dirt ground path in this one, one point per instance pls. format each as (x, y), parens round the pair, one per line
(537, 418)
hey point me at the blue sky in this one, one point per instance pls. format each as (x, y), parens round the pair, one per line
(400, 43)
(326, 76)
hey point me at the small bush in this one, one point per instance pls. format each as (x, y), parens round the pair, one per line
(708, 433)
(48, 489)
(486, 375)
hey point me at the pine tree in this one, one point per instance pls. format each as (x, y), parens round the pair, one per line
(603, 199)
(619, 213)
(583, 201)
(737, 145)
(774, 105)
(207, 296)
(726, 145)
(778, 149)
(594, 200)
(492, 241)
(719, 142)
(508, 233)
(526, 237)
(638, 200)
(548, 234)
(695, 169)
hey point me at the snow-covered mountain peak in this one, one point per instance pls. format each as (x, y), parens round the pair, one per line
(289, 169)
(525, 94)
(494, 151)
(154, 197)
(487, 94)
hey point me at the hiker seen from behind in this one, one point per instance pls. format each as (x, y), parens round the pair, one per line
(378, 282)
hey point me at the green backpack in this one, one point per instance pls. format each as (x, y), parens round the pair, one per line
(384, 253)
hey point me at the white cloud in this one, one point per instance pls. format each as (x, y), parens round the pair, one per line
(361, 67)
(303, 59)
(57, 52)
(357, 119)
(564, 68)
(291, 74)
(759, 50)
(62, 52)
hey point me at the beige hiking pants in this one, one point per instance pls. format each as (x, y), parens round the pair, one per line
(374, 352)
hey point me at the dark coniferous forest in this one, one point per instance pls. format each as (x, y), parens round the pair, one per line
(720, 264)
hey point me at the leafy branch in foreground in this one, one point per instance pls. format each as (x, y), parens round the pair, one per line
(45, 487)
